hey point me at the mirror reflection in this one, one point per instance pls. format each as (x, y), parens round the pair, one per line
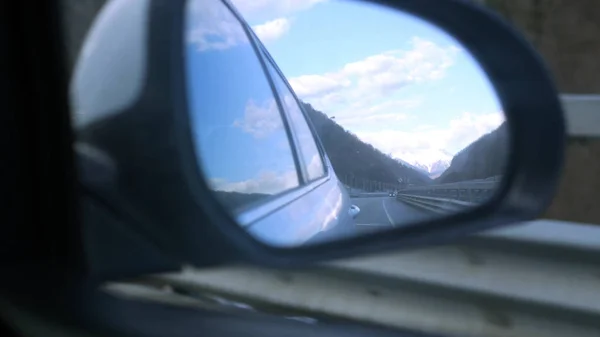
(240, 136)
(357, 119)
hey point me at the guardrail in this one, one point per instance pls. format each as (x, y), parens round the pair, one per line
(535, 280)
(449, 198)
(437, 205)
(369, 195)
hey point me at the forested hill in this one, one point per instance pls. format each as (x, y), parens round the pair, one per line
(484, 158)
(351, 156)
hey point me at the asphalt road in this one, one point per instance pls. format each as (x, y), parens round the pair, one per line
(376, 213)
(385, 213)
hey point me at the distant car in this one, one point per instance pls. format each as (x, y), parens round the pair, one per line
(392, 194)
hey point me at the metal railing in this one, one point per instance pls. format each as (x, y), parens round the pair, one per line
(369, 195)
(449, 198)
(537, 279)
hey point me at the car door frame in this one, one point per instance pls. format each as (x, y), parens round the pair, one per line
(264, 215)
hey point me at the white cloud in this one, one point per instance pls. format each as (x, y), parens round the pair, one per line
(426, 61)
(266, 182)
(260, 120)
(468, 127)
(264, 11)
(427, 144)
(213, 26)
(271, 8)
(397, 104)
(389, 111)
(366, 81)
(308, 86)
(272, 30)
(361, 93)
(361, 120)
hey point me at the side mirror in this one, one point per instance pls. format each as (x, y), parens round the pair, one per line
(213, 154)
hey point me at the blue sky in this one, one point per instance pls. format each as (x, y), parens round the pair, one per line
(399, 83)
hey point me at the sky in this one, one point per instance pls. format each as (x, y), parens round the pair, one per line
(396, 81)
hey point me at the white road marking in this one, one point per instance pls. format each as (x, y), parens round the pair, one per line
(372, 224)
(386, 213)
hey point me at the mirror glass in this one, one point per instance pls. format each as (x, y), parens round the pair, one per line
(345, 119)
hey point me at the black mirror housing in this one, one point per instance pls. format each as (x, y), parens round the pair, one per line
(156, 188)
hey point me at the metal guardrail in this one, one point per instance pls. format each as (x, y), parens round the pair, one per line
(449, 198)
(581, 112)
(369, 195)
(437, 205)
(511, 282)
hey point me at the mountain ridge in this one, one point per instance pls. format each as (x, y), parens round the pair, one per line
(485, 157)
(352, 158)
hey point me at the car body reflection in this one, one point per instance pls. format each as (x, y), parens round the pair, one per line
(319, 215)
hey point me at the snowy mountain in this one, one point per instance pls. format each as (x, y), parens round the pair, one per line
(437, 168)
(434, 167)
(415, 166)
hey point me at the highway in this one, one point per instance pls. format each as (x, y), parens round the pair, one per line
(376, 213)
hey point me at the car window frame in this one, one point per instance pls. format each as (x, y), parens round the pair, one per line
(291, 146)
(322, 153)
(264, 56)
(253, 213)
(307, 120)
